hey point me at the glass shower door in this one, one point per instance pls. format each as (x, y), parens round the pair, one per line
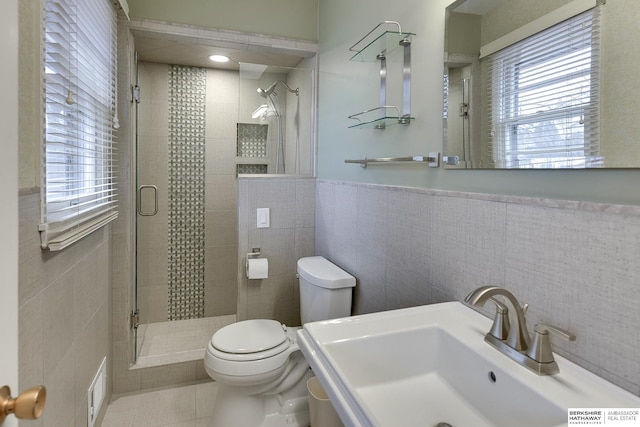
(171, 195)
(152, 183)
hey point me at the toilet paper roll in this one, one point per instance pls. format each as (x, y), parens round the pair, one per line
(257, 268)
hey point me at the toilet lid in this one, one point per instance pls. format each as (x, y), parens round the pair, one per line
(249, 336)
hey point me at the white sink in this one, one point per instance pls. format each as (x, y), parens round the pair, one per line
(427, 365)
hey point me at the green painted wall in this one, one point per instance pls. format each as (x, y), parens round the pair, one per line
(296, 19)
(350, 87)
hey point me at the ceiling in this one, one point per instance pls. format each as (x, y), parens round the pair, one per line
(159, 47)
(477, 7)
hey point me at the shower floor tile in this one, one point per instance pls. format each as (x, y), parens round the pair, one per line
(177, 341)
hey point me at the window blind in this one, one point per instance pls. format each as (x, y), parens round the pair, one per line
(79, 178)
(543, 96)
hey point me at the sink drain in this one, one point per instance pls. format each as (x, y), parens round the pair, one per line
(443, 425)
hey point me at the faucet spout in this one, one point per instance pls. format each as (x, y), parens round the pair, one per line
(518, 337)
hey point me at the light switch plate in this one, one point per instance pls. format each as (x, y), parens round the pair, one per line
(263, 218)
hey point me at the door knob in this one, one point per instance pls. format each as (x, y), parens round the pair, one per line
(29, 405)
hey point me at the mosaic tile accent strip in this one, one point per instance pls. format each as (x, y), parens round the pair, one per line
(252, 140)
(187, 103)
(252, 169)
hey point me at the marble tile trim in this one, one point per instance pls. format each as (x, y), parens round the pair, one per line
(610, 208)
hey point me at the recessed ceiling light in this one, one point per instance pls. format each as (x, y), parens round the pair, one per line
(219, 58)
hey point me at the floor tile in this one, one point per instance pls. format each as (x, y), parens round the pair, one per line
(187, 406)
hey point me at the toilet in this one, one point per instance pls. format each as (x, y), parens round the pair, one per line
(257, 363)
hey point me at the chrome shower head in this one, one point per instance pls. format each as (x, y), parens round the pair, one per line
(268, 91)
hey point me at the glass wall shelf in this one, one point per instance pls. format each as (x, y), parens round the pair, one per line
(376, 48)
(383, 122)
(374, 119)
(384, 44)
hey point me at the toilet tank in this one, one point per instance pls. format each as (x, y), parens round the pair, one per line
(325, 290)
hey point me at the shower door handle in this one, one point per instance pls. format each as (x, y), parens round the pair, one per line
(141, 212)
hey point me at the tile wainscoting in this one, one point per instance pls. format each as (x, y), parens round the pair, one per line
(576, 264)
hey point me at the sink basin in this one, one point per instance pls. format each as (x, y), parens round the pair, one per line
(427, 365)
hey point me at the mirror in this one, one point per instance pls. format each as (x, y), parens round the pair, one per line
(476, 30)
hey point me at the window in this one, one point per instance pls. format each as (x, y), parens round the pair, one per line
(542, 103)
(79, 177)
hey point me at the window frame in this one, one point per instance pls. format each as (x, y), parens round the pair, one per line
(505, 69)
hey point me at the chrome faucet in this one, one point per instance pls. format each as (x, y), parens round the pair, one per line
(536, 356)
(540, 349)
(501, 324)
(518, 336)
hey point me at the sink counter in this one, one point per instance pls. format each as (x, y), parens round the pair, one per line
(425, 365)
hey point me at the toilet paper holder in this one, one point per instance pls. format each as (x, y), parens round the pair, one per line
(255, 253)
(256, 267)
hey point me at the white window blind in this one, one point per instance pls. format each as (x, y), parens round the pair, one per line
(79, 177)
(543, 96)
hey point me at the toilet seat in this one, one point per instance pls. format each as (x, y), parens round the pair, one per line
(242, 360)
(250, 340)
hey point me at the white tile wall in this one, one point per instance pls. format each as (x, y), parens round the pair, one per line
(64, 316)
(576, 264)
(290, 237)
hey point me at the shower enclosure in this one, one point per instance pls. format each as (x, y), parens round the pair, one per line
(273, 106)
(196, 131)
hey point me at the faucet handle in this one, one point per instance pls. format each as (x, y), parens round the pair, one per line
(540, 348)
(501, 325)
(500, 307)
(556, 331)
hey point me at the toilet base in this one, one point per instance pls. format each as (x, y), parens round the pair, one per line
(260, 411)
(237, 406)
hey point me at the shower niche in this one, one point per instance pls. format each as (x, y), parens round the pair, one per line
(252, 148)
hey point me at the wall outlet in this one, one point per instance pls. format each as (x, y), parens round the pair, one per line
(96, 393)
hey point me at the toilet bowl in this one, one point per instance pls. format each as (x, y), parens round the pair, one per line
(261, 375)
(257, 363)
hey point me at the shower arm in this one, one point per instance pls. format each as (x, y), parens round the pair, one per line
(296, 90)
(270, 89)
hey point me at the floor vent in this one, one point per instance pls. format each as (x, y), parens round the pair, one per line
(96, 393)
